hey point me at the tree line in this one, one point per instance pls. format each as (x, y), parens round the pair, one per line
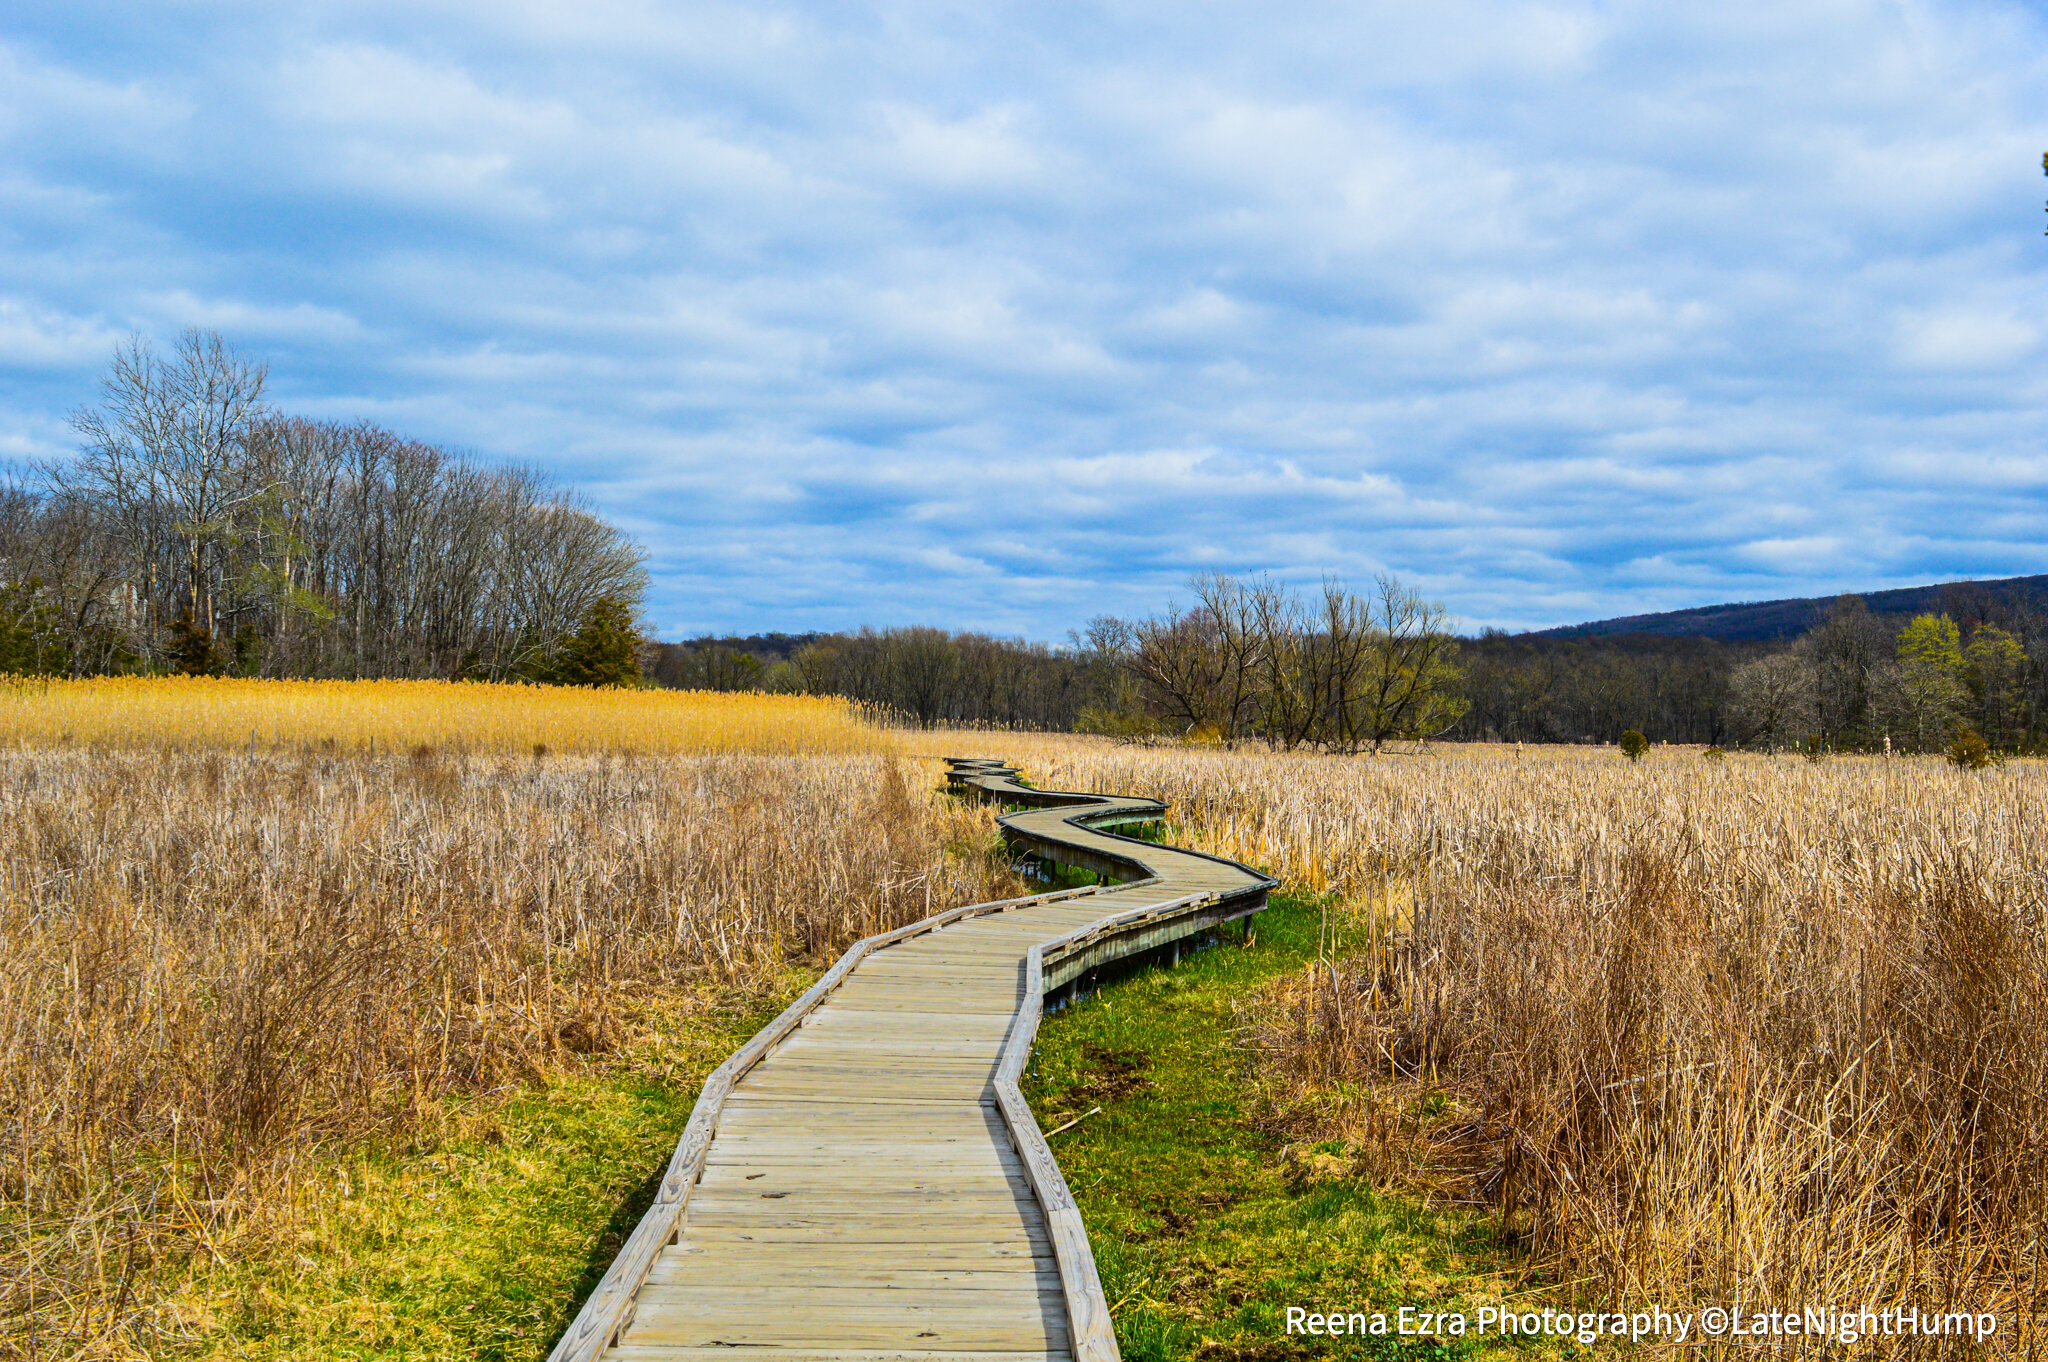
(1254, 659)
(1857, 681)
(1245, 660)
(200, 530)
(1860, 680)
(921, 675)
(1249, 660)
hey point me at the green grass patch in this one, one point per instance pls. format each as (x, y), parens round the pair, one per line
(1204, 1233)
(480, 1239)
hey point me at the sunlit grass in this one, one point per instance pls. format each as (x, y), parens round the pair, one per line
(1208, 1215)
(200, 712)
(477, 1234)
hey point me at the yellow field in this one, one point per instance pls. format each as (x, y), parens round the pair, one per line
(202, 712)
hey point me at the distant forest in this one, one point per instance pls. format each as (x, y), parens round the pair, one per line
(1973, 655)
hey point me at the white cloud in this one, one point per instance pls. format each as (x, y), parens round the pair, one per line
(178, 309)
(1563, 309)
(984, 150)
(1965, 340)
(33, 337)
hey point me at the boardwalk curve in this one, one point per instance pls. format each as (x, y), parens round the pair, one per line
(863, 1181)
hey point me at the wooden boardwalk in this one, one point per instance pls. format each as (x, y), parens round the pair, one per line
(862, 1182)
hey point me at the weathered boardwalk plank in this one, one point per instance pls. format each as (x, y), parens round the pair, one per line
(862, 1182)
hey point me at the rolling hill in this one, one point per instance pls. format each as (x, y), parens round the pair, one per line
(1766, 620)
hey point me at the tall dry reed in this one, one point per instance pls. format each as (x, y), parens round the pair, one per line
(1759, 1030)
(211, 962)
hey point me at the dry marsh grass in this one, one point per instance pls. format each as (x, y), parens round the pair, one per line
(1759, 1030)
(216, 964)
(396, 716)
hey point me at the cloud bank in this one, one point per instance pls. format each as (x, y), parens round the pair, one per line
(1002, 316)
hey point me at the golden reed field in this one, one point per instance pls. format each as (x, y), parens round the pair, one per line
(388, 716)
(1756, 1029)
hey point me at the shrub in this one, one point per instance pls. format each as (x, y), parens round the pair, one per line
(1633, 745)
(1123, 725)
(1970, 751)
(191, 651)
(1715, 754)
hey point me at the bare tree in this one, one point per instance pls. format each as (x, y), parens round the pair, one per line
(1772, 700)
(165, 450)
(1291, 666)
(1362, 672)
(1404, 689)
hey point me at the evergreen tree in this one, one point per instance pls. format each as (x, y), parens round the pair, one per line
(191, 649)
(604, 651)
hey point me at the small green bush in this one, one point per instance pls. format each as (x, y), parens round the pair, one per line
(1970, 751)
(1715, 754)
(1124, 725)
(1633, 745)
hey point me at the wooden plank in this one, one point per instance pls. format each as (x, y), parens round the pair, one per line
(869, 1129)
(705, 1269)
(880, 1214)
(795, 1093)
(757, 1113)
(903, 1230)
(860, 1069)
(795, 1210)
(897, 1200)
(758, 1339)
(927, 1005)
(951, 999)
(934, 1273)
(872, 1057)
(855, 1081)
(794, 1169)
(1019, 1299)
(760, 1112)
(656, 1324)
(936, 1023)
(857, 1257)
(636, 1353)
(828, 1040)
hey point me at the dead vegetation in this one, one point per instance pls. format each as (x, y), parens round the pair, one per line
(1754, 1030)
(213, 964)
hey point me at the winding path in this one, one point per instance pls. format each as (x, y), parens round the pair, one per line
(862, 1181)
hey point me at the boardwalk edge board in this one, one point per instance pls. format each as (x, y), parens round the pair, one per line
(610, 1309)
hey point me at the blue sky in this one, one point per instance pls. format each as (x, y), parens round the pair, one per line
(1002, 316)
